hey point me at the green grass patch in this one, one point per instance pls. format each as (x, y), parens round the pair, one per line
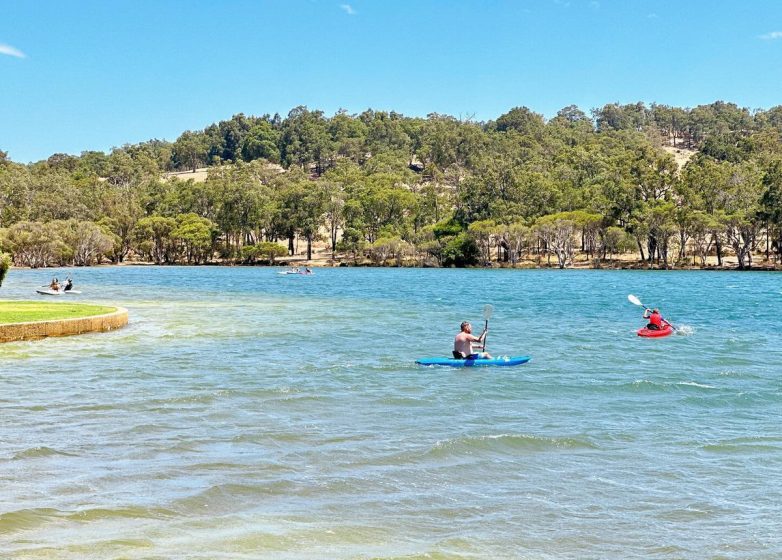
(26, 311)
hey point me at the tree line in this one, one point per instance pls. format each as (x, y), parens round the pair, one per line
(392, 189)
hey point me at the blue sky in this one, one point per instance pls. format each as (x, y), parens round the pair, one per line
(91, 75)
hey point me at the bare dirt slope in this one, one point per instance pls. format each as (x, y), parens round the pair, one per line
(681, 155)
(199, 175)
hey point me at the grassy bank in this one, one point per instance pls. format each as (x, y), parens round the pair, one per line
(26, 311)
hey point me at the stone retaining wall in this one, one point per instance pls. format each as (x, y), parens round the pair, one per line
(63, 327)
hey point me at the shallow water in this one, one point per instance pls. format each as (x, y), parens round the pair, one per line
(246, 414)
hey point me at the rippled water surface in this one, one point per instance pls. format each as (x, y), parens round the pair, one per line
(247, 414)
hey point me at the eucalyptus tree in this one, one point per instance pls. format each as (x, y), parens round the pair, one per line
(243, 204)
(300, 210)
(671, 121)
(338, 185)
(16, 192)
(432, 202)
(386, 205)
(266, 250)
(655, 175)
(386, 132)
(86, 241)
(190, 150)
(521, 120)
(305, 140)
(152, 236)
(660, 219)
(702, 226)
(33, 244)
(333, 197)
(613, 116)
(195, 237)
(270, 251)
(224, 140)
(391, 247)
(742, 220)
(771, 205)
(615, 240)
(262, 141)
(55, 196)
(349, 136)
(447, 143)
(519, 238)
(557, 232)
(484, 232)
(706, 184)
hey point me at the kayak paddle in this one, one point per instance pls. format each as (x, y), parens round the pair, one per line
(488, 309)
(635, 301)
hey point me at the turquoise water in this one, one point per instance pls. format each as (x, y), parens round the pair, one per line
(246, 414)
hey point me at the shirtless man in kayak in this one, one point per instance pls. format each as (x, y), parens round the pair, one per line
(462, 344)
(656, 321)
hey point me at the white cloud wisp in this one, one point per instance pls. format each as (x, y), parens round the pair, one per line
(11, 51)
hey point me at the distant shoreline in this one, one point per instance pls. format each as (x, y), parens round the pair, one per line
(764, 266)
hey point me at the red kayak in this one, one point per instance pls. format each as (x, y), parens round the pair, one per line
(651, 333)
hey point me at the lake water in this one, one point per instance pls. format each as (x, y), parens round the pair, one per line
(246, 414)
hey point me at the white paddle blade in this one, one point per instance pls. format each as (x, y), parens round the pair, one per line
(488, 309)
(634, 300)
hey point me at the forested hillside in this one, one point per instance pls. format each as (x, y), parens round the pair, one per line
(384, 188)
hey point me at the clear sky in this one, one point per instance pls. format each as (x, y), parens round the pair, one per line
(91, 75)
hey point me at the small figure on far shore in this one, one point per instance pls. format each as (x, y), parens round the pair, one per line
(462, 343)
(656, 320)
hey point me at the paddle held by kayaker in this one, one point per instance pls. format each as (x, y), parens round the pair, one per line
(463, 343)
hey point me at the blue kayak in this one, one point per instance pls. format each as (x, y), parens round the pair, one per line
(452, 362)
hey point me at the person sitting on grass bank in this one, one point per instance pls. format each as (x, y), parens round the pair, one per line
(462, 344)
(656, 321)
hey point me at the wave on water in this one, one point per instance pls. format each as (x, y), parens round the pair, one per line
(229, 497)
(25, 519)
(434, 555)
(99, 514)
(695, 384)
(650, 386)
(685, 330)
(36, 452)
(762, 444)
(688, 514)
(22, 519)
(510, 444)
(646, 386)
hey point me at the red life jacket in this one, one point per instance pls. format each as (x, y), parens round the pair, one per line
(656, 319)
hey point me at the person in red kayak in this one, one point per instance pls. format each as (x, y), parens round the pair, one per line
(462, 344)
(656, 321)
